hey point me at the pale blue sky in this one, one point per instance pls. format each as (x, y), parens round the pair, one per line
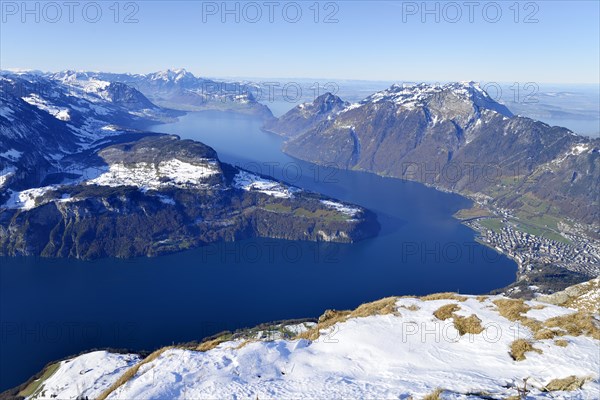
(375, 40)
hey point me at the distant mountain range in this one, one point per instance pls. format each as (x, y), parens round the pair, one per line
(454, 137)
(178, 89)
(79, 178)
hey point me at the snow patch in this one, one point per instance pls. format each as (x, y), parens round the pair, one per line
(27, 199)
(344, 209)
(250, 182)
(12, 155)
(5, 175)
(86, 376)
(61, 114)
(147, 176)
(379, 356)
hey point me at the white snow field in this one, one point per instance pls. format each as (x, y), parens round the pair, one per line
(87, 375)
(408, 352)
(147, 176)
(57, 112)
(251, 182)
(344, 209)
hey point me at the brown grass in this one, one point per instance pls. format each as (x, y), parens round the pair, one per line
(130, 373)
(576, 324)
(545, 333)
(246, 343)
(512, 309)
(565, 384)
(435, 395)
(466, 325)
(380, 307)
(481, 299)
(332, 317)
(463, 325)
(446, 311)
(532, 324)
(444, 296)
(328, 319)
(519, 347)
(212, 343)
(561, 342)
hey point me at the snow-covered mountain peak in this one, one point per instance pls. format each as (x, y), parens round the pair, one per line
(328, 101)
(70, 76)
(171, 75)
(410, 96)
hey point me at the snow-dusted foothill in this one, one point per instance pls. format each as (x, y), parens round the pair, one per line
(456, 346)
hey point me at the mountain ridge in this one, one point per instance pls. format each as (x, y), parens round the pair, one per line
(541, 183)
(77, 176)
(179, 89)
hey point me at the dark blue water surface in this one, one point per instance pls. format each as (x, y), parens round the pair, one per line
(54, 308)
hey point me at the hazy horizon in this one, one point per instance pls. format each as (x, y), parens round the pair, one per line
(543, 42)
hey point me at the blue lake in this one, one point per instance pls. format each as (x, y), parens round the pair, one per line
(50, 309)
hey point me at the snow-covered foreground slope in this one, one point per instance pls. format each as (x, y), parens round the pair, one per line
(393, 348)
(86, 376)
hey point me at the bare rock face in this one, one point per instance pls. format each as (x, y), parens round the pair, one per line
(307, 115)
(583, 297)
(454, 137)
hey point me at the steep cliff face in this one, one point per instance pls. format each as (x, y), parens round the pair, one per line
(161, 194)
(77, 180)
(305, 116)
(454, 137)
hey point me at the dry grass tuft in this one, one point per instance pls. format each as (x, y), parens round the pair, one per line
(380, 307)
(565, 384)
(446, 311)
(545, 333)
(212, 343)
(466, 325)
(561, 342)
(245, 343)
(435, 395)
(444, 296)
(481, 299)
(532, 324)
(512, 309)
(328, 319)
(576, 324)
(331, 317)
(519, 347)
(130, 373)
(463, 325)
